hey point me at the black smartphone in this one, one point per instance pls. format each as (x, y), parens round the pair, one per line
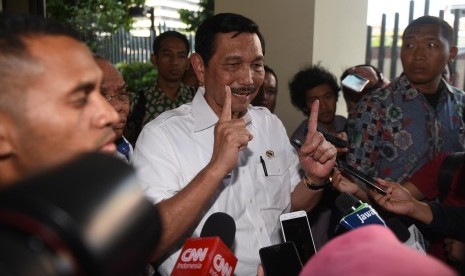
(280, 259)
(336, 141)
(368, 180)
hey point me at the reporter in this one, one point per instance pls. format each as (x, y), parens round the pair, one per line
(51, 109)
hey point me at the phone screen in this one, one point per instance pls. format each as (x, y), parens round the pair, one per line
(297, 230)
(280, 259)
(355, 82)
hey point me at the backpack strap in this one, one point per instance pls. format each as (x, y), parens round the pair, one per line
(449, 167)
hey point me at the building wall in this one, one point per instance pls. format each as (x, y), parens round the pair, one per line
(301, 32)
(166, 11)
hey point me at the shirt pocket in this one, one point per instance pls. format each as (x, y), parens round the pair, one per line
(276, 166)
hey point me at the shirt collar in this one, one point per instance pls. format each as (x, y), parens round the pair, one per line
(410, 92)
(204, 116)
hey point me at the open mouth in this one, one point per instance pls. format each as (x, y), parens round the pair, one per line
(242, 95)
(243, 92)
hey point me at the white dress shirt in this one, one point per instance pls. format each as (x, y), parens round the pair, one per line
(173, 148)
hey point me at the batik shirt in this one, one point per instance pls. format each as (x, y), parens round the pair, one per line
(394, 131)
(156, 102)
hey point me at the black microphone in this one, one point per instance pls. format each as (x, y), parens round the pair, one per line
(355, 212)
(221, 225)
(209, 254)
(410, 236)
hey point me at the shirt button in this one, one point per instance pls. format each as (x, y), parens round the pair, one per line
(251, 200)
(261, 229)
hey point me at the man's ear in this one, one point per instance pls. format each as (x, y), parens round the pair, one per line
(452, 54)
(199, 67)
(153, 59)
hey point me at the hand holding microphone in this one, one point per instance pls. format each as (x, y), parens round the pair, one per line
(356, 213)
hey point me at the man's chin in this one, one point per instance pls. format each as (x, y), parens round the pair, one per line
(109, 148)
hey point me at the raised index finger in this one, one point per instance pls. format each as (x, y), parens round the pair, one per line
(226, 112)
(313, 119)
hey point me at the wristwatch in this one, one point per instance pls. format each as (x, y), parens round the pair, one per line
(313, 186)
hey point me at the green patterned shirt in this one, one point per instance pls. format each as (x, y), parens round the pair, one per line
(156, 102)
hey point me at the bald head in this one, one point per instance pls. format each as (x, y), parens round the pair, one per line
(113, 88)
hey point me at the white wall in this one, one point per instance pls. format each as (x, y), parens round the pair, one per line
(340, 36)
(301, 32)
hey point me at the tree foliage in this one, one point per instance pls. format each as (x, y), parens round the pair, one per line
(93, 18)
(138, 74)
(193, 19)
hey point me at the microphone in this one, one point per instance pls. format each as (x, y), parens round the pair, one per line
(209, 254)
(85, 217)
(221, 225)
(410, 236)
(355, 212)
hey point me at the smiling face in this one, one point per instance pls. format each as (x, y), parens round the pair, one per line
(238, 63)
(62, 113)
(424, 54)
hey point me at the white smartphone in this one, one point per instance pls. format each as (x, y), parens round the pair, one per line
(355, 82)
(296, 228)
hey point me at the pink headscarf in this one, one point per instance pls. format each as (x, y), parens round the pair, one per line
(372, 250)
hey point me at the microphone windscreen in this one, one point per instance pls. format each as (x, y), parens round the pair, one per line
(398, 228)
(220, 225)
(345, 202)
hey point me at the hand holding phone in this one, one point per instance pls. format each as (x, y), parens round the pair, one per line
(366, 179)
(336, 141)
(355, 82)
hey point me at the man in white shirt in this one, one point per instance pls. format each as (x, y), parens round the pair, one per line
(220, 154)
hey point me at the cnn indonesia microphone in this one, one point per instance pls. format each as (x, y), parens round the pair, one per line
(209, 254)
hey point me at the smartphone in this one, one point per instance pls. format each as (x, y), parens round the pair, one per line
(355, 82)
(296, 228)
(368, 180)
(336, 141)
(280, 259)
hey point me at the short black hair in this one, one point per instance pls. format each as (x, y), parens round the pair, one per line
(222, 23)
(159, 39)
(309, 78)
(15, 58)
(15, 27)
(446, 30)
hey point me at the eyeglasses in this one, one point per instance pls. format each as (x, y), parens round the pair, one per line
(122, 96)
